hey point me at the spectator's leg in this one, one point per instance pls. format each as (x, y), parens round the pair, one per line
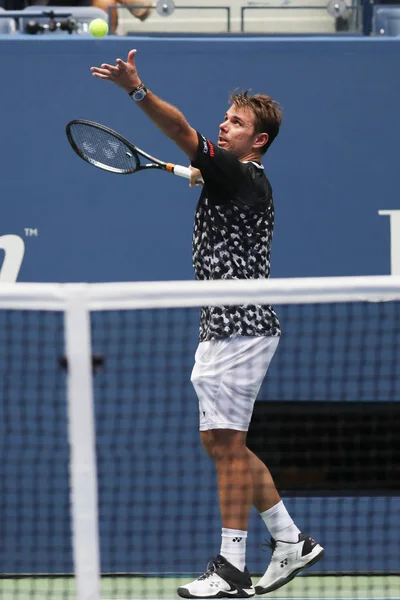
(104, 4)
(140, 13)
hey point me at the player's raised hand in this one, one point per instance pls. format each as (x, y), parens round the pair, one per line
(124, 74)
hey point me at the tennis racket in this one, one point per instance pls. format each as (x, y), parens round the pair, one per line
(108, 150)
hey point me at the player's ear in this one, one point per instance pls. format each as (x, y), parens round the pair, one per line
(260, 140)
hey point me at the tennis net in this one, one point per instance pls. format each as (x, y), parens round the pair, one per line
(106, 491)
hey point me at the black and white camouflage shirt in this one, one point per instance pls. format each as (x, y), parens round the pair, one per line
(232, 239)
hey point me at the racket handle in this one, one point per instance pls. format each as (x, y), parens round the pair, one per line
(182, 171)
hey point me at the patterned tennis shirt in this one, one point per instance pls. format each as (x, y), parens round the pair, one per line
(232, 239)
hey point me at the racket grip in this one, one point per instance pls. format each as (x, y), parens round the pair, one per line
(182, 171)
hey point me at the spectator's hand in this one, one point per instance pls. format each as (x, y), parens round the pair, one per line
(196, 177)
(124, 74)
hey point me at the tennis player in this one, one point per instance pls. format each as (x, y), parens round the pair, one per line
(231, 240)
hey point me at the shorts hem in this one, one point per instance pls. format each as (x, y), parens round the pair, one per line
(234, 426)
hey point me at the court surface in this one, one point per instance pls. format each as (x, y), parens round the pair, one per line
(377, 587)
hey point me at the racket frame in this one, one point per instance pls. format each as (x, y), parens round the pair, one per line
(136, 152)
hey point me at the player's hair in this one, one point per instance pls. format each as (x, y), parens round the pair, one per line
(267, 112)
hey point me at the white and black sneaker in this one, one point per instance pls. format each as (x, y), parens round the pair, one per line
(221, 580)
(288, 559)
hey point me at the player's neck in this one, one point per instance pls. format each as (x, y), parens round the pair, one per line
(251, 157)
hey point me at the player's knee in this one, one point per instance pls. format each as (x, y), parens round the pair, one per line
(206, 440)
(224, 444)
(210, 446)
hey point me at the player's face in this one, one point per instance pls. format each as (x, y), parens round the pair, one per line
(236, 132)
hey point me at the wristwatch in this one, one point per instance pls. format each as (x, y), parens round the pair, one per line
(138, 93)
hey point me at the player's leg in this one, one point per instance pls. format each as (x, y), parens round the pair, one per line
(228, 575)
(227, 378)
(265, 494)
(228, 450)
(292, 551)
(226, 399)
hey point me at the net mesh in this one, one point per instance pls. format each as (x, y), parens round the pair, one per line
(34, 509)
(326, 422)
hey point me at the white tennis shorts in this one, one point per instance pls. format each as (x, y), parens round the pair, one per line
(227, 377)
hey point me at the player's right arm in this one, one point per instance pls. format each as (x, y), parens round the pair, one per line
(165, 116)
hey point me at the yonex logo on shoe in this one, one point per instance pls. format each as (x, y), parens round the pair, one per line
(237, 539)
(284, 562)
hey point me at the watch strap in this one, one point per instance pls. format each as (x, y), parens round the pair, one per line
(139, 88)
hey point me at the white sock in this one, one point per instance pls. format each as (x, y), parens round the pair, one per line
(280, 524)
(233, 547)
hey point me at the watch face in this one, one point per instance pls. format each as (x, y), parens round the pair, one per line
(139, 95)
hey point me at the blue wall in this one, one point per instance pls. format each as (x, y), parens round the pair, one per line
(334, 165)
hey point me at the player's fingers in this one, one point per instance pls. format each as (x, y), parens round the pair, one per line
(121, 64)
(100, 71)
(110, 68)
(100, 76)
(131, 57)
(195, 181)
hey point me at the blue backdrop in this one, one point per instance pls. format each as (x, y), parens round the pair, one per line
(333, 167)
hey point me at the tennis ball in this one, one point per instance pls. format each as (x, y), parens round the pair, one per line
(98, 28)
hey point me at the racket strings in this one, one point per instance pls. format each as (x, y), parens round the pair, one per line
(103, 149)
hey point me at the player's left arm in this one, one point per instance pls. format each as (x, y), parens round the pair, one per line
(165, 116)
(171, 122)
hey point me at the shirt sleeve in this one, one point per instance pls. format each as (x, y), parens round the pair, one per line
(218, 167)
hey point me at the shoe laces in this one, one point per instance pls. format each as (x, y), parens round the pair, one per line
(212, 566)
(271, 545)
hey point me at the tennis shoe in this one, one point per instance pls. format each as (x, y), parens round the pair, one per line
(288, 559)
(221, 580)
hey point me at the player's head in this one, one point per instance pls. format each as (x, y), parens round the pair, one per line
(250, 125)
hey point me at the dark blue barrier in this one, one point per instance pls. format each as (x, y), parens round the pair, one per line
(333, 167)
